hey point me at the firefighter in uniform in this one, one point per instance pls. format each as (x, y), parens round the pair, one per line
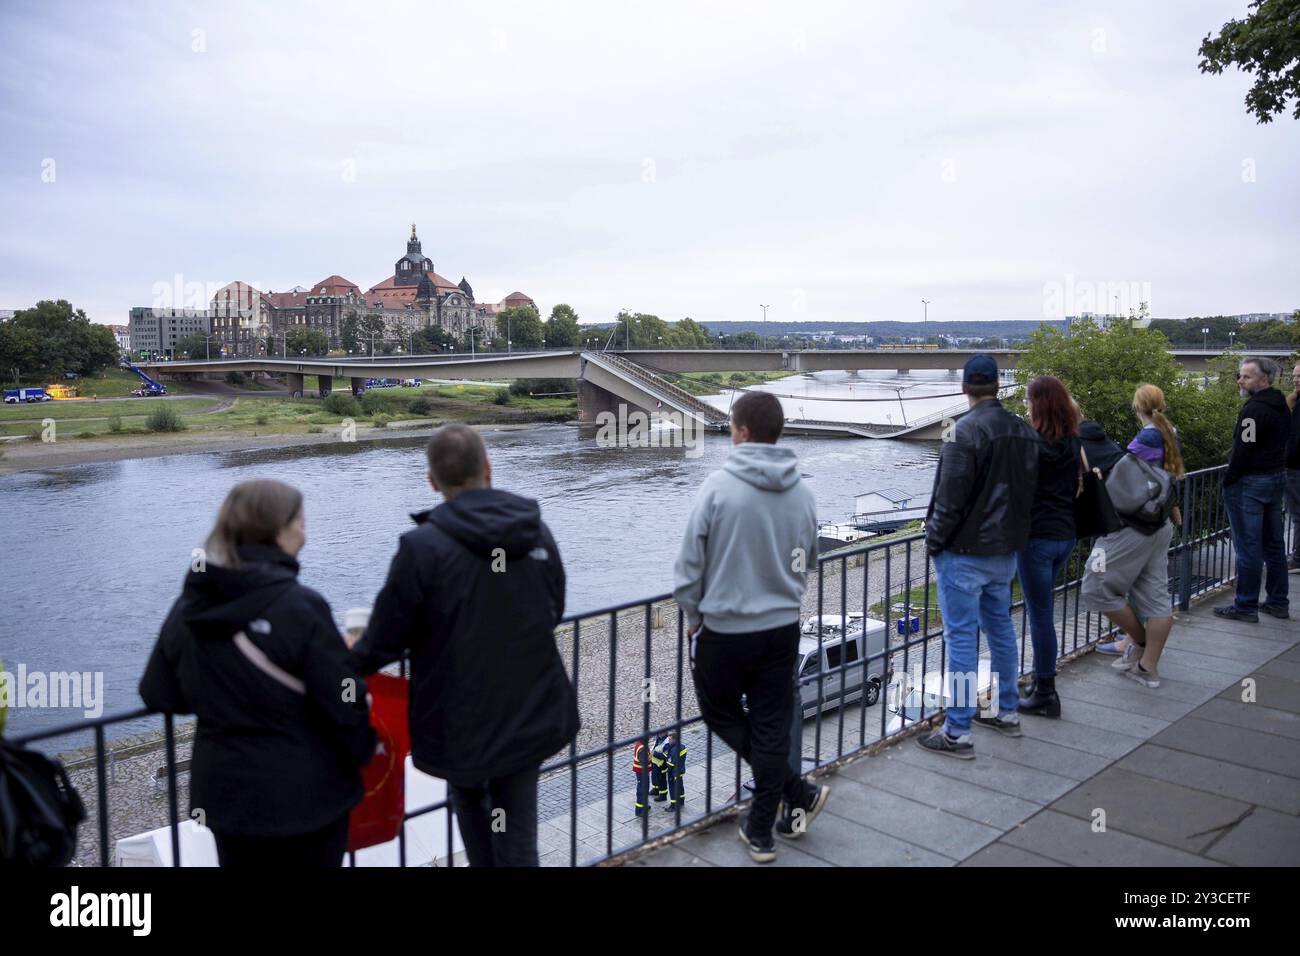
(642, 778)
(675, 757)
(659, 770)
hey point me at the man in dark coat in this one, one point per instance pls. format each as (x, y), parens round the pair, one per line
(1253, 490)
(474, 594)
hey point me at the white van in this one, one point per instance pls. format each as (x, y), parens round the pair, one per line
(837, 662)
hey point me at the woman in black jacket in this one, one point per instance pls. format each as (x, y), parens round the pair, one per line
(283, 723)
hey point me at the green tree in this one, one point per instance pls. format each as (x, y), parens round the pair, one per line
(1103, 367)
(689, 334)
(522, 326)
(562, 327)
(53, 336)
(301, 339)
(192, 346)
(1266, 43)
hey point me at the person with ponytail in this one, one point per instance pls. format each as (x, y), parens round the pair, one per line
(1128, 571)
(283, 724)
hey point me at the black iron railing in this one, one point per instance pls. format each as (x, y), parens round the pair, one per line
(630, 664)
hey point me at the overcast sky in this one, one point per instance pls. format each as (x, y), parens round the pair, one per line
(837, 161)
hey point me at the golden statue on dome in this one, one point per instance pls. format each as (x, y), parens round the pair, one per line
(412, 230)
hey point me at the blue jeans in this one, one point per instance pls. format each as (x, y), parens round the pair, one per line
(1039, 565)
(975, 594)
(1254, 506)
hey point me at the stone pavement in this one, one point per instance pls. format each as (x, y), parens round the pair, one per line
(1203, 771)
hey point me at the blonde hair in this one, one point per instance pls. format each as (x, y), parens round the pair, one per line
(254, 512)
(1150, 401)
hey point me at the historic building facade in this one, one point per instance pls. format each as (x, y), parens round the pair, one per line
(247, 321)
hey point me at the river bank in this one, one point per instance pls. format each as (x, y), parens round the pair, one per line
(31, 455)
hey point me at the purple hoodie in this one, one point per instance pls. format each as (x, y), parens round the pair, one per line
(1149, 445)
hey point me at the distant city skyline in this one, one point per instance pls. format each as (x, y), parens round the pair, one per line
(839, 162)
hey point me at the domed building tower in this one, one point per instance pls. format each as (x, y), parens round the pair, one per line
(409, 269)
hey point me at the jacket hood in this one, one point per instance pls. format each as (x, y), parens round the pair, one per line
(218, 601)
(485, 519)
(1272, 398)
(770, 467)
(1091, 431)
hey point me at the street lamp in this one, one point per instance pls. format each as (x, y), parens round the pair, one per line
(925, 317)
(764, 308)
(1205, 341)
(1231, 338)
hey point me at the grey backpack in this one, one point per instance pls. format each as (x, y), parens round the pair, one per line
(1143, 495)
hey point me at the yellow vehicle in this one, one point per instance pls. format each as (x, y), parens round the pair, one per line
(61, 391)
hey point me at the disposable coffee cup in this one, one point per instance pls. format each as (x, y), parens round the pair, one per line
(355, 621)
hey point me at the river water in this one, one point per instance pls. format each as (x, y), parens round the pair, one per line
(91, 556)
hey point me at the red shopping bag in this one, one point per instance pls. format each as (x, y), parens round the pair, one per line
(378, 817)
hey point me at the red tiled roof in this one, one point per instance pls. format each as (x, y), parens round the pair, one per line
(286, 300)
(517, 297)
(334, 285)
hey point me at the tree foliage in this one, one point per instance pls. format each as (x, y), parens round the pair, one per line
(301, 339)
(520, 325)
(1103, 367)
(53, 336)
(562, 330)
(1266, 43)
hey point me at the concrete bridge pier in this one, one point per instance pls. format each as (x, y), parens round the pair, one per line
(294, 381)
(592, 400)
(326, 385)
(358, 385)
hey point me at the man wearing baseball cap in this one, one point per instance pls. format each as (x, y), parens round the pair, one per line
(978, 519)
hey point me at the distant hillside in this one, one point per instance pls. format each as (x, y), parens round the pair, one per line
(1007, 328)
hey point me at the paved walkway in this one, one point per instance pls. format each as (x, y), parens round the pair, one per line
(1203, 771)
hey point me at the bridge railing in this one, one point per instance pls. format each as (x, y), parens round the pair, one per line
(660, 385)
(631, 666)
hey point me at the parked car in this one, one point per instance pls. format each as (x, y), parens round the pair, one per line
(854, 663)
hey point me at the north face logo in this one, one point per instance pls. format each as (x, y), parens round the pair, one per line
(260, 626)
(539, 554)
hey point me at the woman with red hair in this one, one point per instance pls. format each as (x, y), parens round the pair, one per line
(1055, 417)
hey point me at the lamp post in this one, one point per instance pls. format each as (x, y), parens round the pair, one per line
(1231, 338)
(925, 318)
(1205, 341)
(207, 342)
(764, 308)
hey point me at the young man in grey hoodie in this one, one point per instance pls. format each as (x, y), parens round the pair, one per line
(739, 580)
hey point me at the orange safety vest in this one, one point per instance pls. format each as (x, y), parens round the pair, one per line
(638, 749)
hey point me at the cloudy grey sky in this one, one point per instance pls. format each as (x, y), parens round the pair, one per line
(838, 161)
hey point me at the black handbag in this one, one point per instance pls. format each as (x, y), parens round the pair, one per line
(1094, 514)
(39, 810)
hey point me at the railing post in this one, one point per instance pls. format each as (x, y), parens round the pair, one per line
(1185, 554)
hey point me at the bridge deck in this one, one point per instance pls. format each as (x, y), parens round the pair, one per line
(1188, 774)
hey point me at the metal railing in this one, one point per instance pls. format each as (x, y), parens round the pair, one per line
(629, 664)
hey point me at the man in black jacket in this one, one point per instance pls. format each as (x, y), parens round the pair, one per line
(978, 519)
(474, 594)
(1293, 470)
(1252, 493)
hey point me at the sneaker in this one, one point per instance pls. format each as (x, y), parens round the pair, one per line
(1293, 565)
(1008, 726)
(1144, 677)
(760, 851)
(1112, 648)
(1278, 612)
(1234, 613)
(940, 743)
(793, 823)
(1132, 654)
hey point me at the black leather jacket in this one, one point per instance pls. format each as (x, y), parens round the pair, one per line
(984, 485)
